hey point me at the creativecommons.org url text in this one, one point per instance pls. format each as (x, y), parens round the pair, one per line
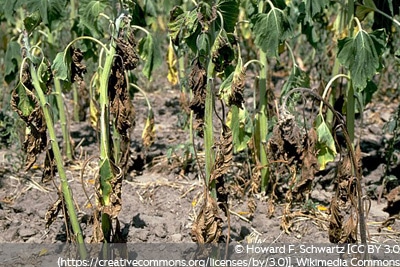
(209, 262)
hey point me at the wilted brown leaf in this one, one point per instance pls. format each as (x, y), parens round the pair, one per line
(52, 212)
(198, 82)
(36, 138)
(207, 227)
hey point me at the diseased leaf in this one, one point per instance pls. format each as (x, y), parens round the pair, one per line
(361, 54)
(326, 144)
(238, 120)
(150, 53)
(176, 20)
(270, 30)
(173, 77)
(60, 66)
(149, 133)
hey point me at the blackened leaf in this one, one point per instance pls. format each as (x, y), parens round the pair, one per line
(270, 30)
(361, 54)
(150, 52)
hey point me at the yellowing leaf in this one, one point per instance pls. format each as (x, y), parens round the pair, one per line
(172, 69)
(326, 144)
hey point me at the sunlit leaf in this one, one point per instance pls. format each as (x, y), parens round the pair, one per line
(270, 30)
(61, 66)
(326, 144)
(240, 123)
(150, 52)
(361, 54)
(172, 65)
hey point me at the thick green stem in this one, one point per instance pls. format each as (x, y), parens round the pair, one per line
(67, 193)
(262, 122)
(63, 120)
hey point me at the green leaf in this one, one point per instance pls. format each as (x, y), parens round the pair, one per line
(8, 8)
(230, 13)
(89, 11)
(150, 53)
(25, 103)
(363, 10)
(12, 60)
(314, 7)
(32, 21)
(203, 44)
(270, 30)
(61, 66)
(326, 143)
(297, 78)
(176, 20)
(240, 123)
(361, 55)
(49, 10)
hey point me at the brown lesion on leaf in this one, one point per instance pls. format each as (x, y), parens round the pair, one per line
(237, 95)
(198, 83)
(36, 138)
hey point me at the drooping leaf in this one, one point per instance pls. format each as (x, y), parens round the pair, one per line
(89, 11)
(231, 89)
(49, 10)
(363, 10)
(270, 30)
(240, 123)
(12, 60)
(297, 78)
(206, 14)
(203, 44)
(149, 133)
(172, 77)
(150, 52)
(230, 12)
(61, 66)
(176, 20)
(326, 144)
(361, 55)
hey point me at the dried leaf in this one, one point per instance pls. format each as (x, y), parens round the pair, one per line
(52, 212)
(148, 134)
(198, 82)
(207, 227)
